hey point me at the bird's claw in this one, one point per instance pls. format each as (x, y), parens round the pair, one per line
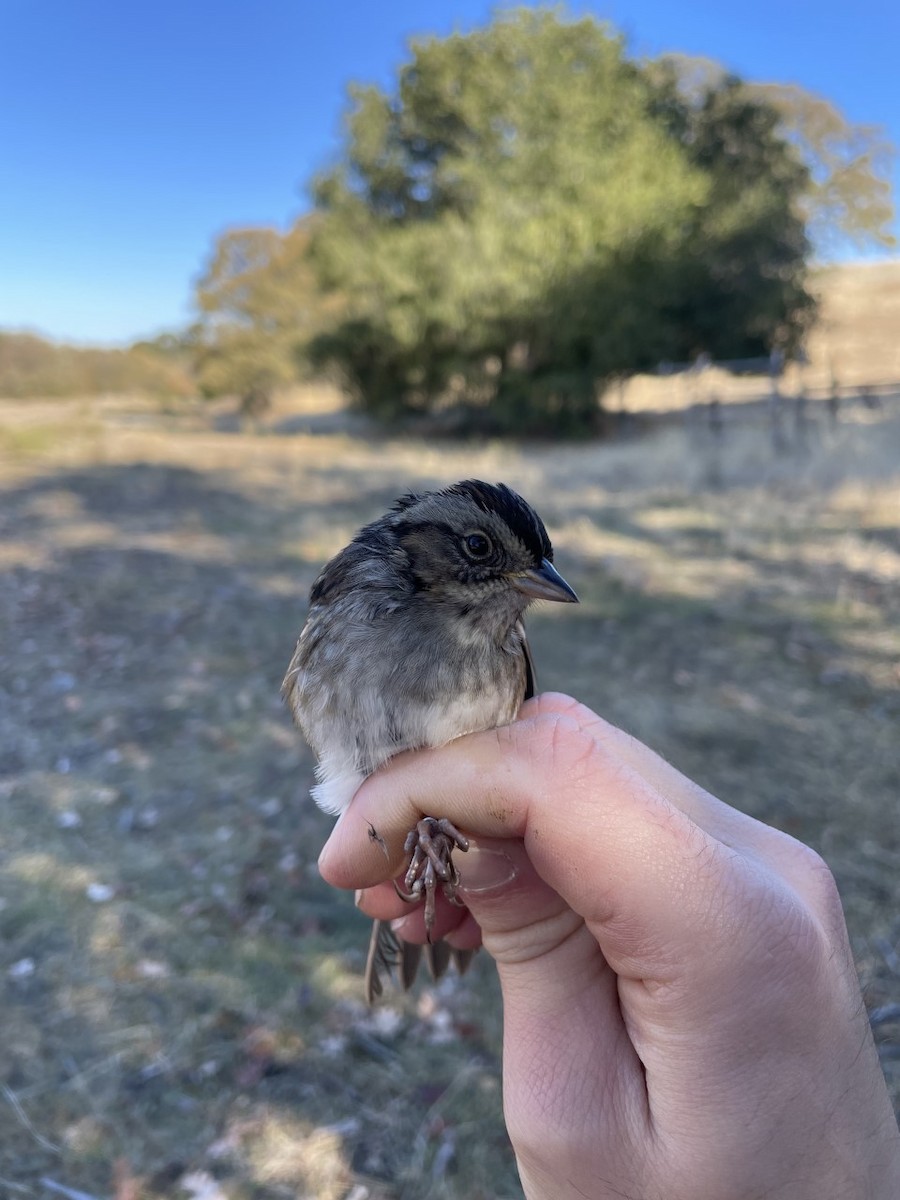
(430, 848)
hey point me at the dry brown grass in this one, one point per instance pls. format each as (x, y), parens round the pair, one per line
(859, 331)
(181, 994)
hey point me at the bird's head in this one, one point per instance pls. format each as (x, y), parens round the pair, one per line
(478, 545)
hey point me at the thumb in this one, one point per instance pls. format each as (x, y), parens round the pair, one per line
(542, 948)
(498, 885)
(544, 952)
(562, 1022)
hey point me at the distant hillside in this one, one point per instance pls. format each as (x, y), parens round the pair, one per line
(31, 366)
(859, 328)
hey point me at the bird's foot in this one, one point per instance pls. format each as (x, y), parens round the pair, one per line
(430, 848)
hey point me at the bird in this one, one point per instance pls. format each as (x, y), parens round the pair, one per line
(414, 636)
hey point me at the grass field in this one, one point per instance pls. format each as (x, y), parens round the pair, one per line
(181, 996)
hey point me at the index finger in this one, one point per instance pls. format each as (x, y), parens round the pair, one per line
(487, 784)
(650, 880)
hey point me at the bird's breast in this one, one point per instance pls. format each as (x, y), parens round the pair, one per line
(394, 685)
(450, 716)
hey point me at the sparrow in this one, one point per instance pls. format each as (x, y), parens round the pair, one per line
(414, 637)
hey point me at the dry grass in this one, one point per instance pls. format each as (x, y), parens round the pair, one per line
(860, 320)
(181, 994)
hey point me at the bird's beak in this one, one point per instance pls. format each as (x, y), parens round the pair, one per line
(545, 583)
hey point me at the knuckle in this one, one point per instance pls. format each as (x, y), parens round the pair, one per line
(556, 742)
(555, 702)
(815, 877)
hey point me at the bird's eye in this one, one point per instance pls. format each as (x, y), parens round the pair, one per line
(477, 545)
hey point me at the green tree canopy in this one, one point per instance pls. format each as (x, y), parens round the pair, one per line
(258, 301)
(740, 289)
(847, 192)
(529, 212)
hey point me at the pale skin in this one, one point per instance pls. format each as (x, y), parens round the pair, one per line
(682, 1017)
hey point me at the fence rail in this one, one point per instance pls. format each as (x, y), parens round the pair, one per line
(715, 395)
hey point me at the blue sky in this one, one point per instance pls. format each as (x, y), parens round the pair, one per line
(132, 133)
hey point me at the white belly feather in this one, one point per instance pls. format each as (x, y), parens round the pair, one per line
(339, 772)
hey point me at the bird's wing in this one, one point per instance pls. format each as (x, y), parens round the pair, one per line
(530, 675)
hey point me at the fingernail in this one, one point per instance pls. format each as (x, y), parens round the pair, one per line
(483, 869)
(358, 897)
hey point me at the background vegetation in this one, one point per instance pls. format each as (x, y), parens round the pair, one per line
(539, 213)
(528, 214)
(32, 366)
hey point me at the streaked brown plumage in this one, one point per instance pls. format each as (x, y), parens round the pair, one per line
(414, 637)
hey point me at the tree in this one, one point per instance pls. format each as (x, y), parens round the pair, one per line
(539, 213)
(848, 196)
(510, 161)
(847, 193)
(258, 301)
(742, 271)
(529, 213)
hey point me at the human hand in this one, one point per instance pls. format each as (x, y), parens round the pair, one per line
(682, 1017)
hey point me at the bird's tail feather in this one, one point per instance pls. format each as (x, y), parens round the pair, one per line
(388, 953)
